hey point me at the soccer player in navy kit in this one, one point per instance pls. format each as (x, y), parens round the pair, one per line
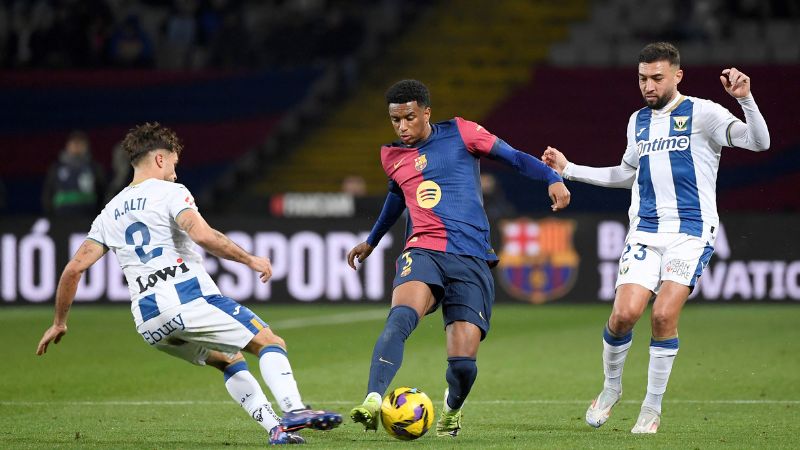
(434, 171)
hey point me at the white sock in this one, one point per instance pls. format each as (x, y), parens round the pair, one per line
(375, 396)
(661, 360)
(613, 363)
(245, 390)
(277, 373)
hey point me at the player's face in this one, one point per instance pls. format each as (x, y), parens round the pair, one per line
(658, 82)
(410, 121)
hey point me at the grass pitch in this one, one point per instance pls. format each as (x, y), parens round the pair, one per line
(735, 383)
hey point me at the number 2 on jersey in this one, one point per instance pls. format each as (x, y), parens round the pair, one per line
(139, 227)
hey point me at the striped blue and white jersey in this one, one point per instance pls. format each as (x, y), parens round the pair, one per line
(157, 257)
(676, 152)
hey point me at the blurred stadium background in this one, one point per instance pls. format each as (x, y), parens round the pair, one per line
(280, 106)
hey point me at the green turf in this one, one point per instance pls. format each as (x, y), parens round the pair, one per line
(538, 370)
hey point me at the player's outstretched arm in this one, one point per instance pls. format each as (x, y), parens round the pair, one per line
(753, 134)
(88, 254)
(621, 176)
(220, 245)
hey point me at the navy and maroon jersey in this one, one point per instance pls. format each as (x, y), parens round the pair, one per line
(440, 180)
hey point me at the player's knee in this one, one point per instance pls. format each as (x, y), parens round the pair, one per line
(622, 320)
(401, 322)
(274, 339)
(221, 360)
(663, 324)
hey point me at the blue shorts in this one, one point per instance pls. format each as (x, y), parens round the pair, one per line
(462, 285)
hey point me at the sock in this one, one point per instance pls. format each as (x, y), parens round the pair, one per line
(662, 355)
(245, 390)
(277, 373)
(615, 350)
(388, 353)
(461, 374)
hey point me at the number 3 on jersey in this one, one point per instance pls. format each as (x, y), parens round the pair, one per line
(139, 227)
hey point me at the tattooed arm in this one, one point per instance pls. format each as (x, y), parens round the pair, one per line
(220, 245)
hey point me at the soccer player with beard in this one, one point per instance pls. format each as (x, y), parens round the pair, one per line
(434, 172)
(670, 164)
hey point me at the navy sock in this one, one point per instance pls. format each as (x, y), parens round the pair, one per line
(388, 353)
(461, 374)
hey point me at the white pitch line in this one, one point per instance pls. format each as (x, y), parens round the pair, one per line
(349, 402)
(333, 319)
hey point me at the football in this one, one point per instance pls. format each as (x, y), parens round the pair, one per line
(407, 413)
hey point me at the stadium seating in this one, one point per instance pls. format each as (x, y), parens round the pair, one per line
(469, 53)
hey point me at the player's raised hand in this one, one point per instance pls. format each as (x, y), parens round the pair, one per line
(560, 196)
(735, 83)
(262, 266)
(555, 159)
(54, 335)
(360, 251)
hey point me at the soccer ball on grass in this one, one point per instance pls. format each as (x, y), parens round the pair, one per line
(406, 413)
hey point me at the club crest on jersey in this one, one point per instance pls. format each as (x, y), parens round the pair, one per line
(680, 123)
(538, 262)
(420, 163)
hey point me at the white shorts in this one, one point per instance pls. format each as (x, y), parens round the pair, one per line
(190, 330)
(652, 258)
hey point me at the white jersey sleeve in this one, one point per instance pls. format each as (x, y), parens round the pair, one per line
(96, 232)
(180, 199)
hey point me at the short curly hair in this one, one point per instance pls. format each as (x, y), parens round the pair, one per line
(660, 51)
(147, 137)
(405, 91)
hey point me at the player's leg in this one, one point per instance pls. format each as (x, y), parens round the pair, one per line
(463, 339)
(684, 260)
(239, 382)
(277, 373)
(663, 349)
(629, 305)
(410, 301)
(245, 390)
(639, 269)
(467, 311)
(418, 274)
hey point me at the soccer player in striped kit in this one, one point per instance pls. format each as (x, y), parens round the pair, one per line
(670, 164)
(434, 172)
(152, 226)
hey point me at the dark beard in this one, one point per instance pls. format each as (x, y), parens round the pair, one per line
(660, 103)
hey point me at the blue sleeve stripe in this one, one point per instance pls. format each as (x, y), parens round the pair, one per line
(105, 247)
(233, 369)
(274, 348)
(728, 133)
